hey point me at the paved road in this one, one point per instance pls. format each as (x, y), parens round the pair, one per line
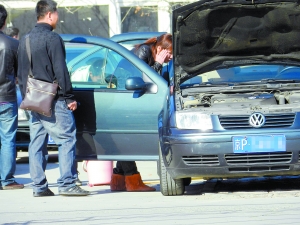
(240, 201)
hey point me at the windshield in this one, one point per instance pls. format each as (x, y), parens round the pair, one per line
(75, 49)
(246, 74)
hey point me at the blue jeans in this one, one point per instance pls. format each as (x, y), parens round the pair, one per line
(8, 130)
(61, 127)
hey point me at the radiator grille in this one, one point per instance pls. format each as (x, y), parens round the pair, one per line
(206, 160)
(257, 169)
(255, 159)
(272, 121)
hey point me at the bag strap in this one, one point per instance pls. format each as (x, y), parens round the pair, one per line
(29, 55)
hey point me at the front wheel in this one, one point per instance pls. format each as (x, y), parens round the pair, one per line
(168, 185)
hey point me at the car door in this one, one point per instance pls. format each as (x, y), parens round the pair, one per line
(114, 123)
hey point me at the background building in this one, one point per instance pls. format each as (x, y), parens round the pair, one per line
(98, 17)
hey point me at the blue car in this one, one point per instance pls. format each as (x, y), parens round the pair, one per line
(234, 109)
(117, 114)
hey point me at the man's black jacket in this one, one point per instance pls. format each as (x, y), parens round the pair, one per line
(47, 60)
(8, 68)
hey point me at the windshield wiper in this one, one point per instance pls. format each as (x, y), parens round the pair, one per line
(205, 84)
(277, 81)
(268, 81)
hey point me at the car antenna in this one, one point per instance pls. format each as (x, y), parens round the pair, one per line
(90, 32)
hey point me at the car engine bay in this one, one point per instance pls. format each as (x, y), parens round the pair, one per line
(222, 103)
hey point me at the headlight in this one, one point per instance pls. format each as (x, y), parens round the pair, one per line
(193, 120)
(22, 115)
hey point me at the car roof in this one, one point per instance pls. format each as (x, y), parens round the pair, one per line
(135, 36)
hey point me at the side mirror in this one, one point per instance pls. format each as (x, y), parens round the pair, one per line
(135, 83)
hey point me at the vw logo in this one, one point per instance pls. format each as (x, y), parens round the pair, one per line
(257, 120)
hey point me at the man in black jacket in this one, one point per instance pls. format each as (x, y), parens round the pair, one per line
(48, 64)
(8, 107)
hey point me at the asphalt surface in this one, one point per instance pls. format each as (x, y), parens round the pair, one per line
(235, 201)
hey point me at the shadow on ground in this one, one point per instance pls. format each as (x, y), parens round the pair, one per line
(280, 183)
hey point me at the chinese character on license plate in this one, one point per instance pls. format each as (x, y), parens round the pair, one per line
(259, 143)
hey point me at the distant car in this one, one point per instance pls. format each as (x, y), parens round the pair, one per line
(113, 122)
(234, 110)
(22, 136)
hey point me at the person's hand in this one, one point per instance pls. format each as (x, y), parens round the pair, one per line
(72, 106)
(161, 56)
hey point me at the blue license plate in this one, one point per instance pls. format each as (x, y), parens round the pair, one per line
(259, 143)
(50, 141)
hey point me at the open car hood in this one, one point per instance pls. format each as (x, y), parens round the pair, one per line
(210, 35)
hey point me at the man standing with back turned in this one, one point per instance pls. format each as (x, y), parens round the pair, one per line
(48, 64)
(8, 107)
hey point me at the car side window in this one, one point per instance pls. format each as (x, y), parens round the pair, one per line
(101, 66)
(124, 70)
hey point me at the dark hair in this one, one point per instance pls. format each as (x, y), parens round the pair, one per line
(165, 41)
(96, 66)
(3, 15)
(12, 31)
(45, 6)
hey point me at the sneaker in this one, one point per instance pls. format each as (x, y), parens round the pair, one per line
(78, 182)
(74, 191)
(45, 193)
(13, 186)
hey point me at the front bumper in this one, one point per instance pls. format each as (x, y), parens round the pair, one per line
(211, 156)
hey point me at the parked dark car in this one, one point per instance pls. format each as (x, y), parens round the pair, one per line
(234, 111)
(114, 122)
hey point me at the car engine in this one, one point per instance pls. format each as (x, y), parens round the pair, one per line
(253, 101)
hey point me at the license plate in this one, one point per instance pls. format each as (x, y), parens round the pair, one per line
(50, 141)
(259, 143)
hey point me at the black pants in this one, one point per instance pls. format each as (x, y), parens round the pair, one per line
(126, 168)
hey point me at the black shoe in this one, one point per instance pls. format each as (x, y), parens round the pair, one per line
(45, 193)
(13, 186)
(74, 191)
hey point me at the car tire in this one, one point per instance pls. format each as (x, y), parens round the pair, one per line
(168, 185)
